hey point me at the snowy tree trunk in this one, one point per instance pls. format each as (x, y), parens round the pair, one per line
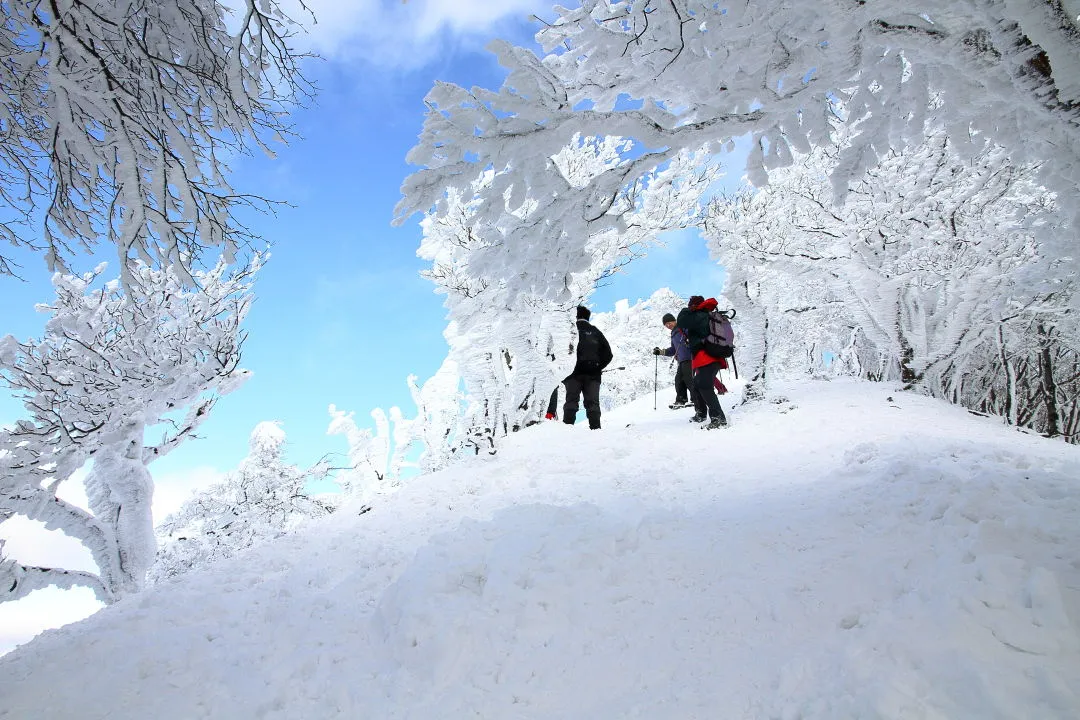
(906, 357)
(1049, 386)
(847, 361)
(756, 385)
(120, 490)
(752, 344)
(1071, 423)
(1010, 378)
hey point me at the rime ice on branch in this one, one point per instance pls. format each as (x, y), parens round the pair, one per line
(264, 498)
(511, 338)
(689, 74)
(120, 120)
(113, 363)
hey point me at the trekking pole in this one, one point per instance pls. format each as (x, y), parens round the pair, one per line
(655, 375)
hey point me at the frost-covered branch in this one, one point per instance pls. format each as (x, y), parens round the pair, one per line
(264, 498)
(120, 121)
(926, 275)
(690, 75)
(18, 580)
(115, 361)
(510, 340)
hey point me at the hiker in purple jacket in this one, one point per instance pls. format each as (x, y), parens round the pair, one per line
(684, 374)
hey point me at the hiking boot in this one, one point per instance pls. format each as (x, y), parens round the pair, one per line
(699, 418)
(716, 423)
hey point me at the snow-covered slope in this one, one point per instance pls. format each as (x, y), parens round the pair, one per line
(834, 554)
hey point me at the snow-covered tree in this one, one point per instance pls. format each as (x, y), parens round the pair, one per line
(633, 331)
(512, 344)
(927, 251)
(376, 459)
(114, 365)
(685, 75)
(1027, 372)
(380, 458)
(120, 119)
(264, 498)
(782, 326)
(934, 272)
(439, 405)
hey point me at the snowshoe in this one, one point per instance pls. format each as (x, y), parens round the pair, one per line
(679, 405)
(716, 423)
(699, 418)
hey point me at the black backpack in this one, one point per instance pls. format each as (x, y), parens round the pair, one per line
(588, 351)
(720, 342)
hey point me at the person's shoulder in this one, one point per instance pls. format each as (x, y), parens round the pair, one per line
(584, 326)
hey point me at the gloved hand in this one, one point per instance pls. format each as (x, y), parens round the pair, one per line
(657, 351)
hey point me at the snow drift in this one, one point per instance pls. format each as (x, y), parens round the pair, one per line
(837, 553)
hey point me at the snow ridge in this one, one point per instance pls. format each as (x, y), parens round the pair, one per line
(840, 552)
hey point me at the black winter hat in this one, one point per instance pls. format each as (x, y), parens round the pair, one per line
(583, 313)
(694, 301)
(668, 317)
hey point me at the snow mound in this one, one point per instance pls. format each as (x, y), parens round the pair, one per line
(836, 553)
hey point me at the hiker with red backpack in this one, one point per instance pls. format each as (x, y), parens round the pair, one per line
(684, 374)
(711, 338)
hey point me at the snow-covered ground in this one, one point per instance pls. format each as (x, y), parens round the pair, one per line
(837, 553)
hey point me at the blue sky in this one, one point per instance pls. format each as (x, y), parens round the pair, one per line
(342, 315)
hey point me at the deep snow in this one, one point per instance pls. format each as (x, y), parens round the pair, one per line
(843, 551)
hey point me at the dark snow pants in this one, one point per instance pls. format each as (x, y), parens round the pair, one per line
(703, 381)
(588, 387)
(684, 385)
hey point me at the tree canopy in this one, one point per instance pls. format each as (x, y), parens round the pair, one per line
(119, 121)
(677, 75)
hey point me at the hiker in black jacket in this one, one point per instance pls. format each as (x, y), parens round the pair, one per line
(593, 355)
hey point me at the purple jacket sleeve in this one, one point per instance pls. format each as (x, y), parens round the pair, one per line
(680, 346)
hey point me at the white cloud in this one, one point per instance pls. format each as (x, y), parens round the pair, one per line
(390, 33)
(471, 16)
